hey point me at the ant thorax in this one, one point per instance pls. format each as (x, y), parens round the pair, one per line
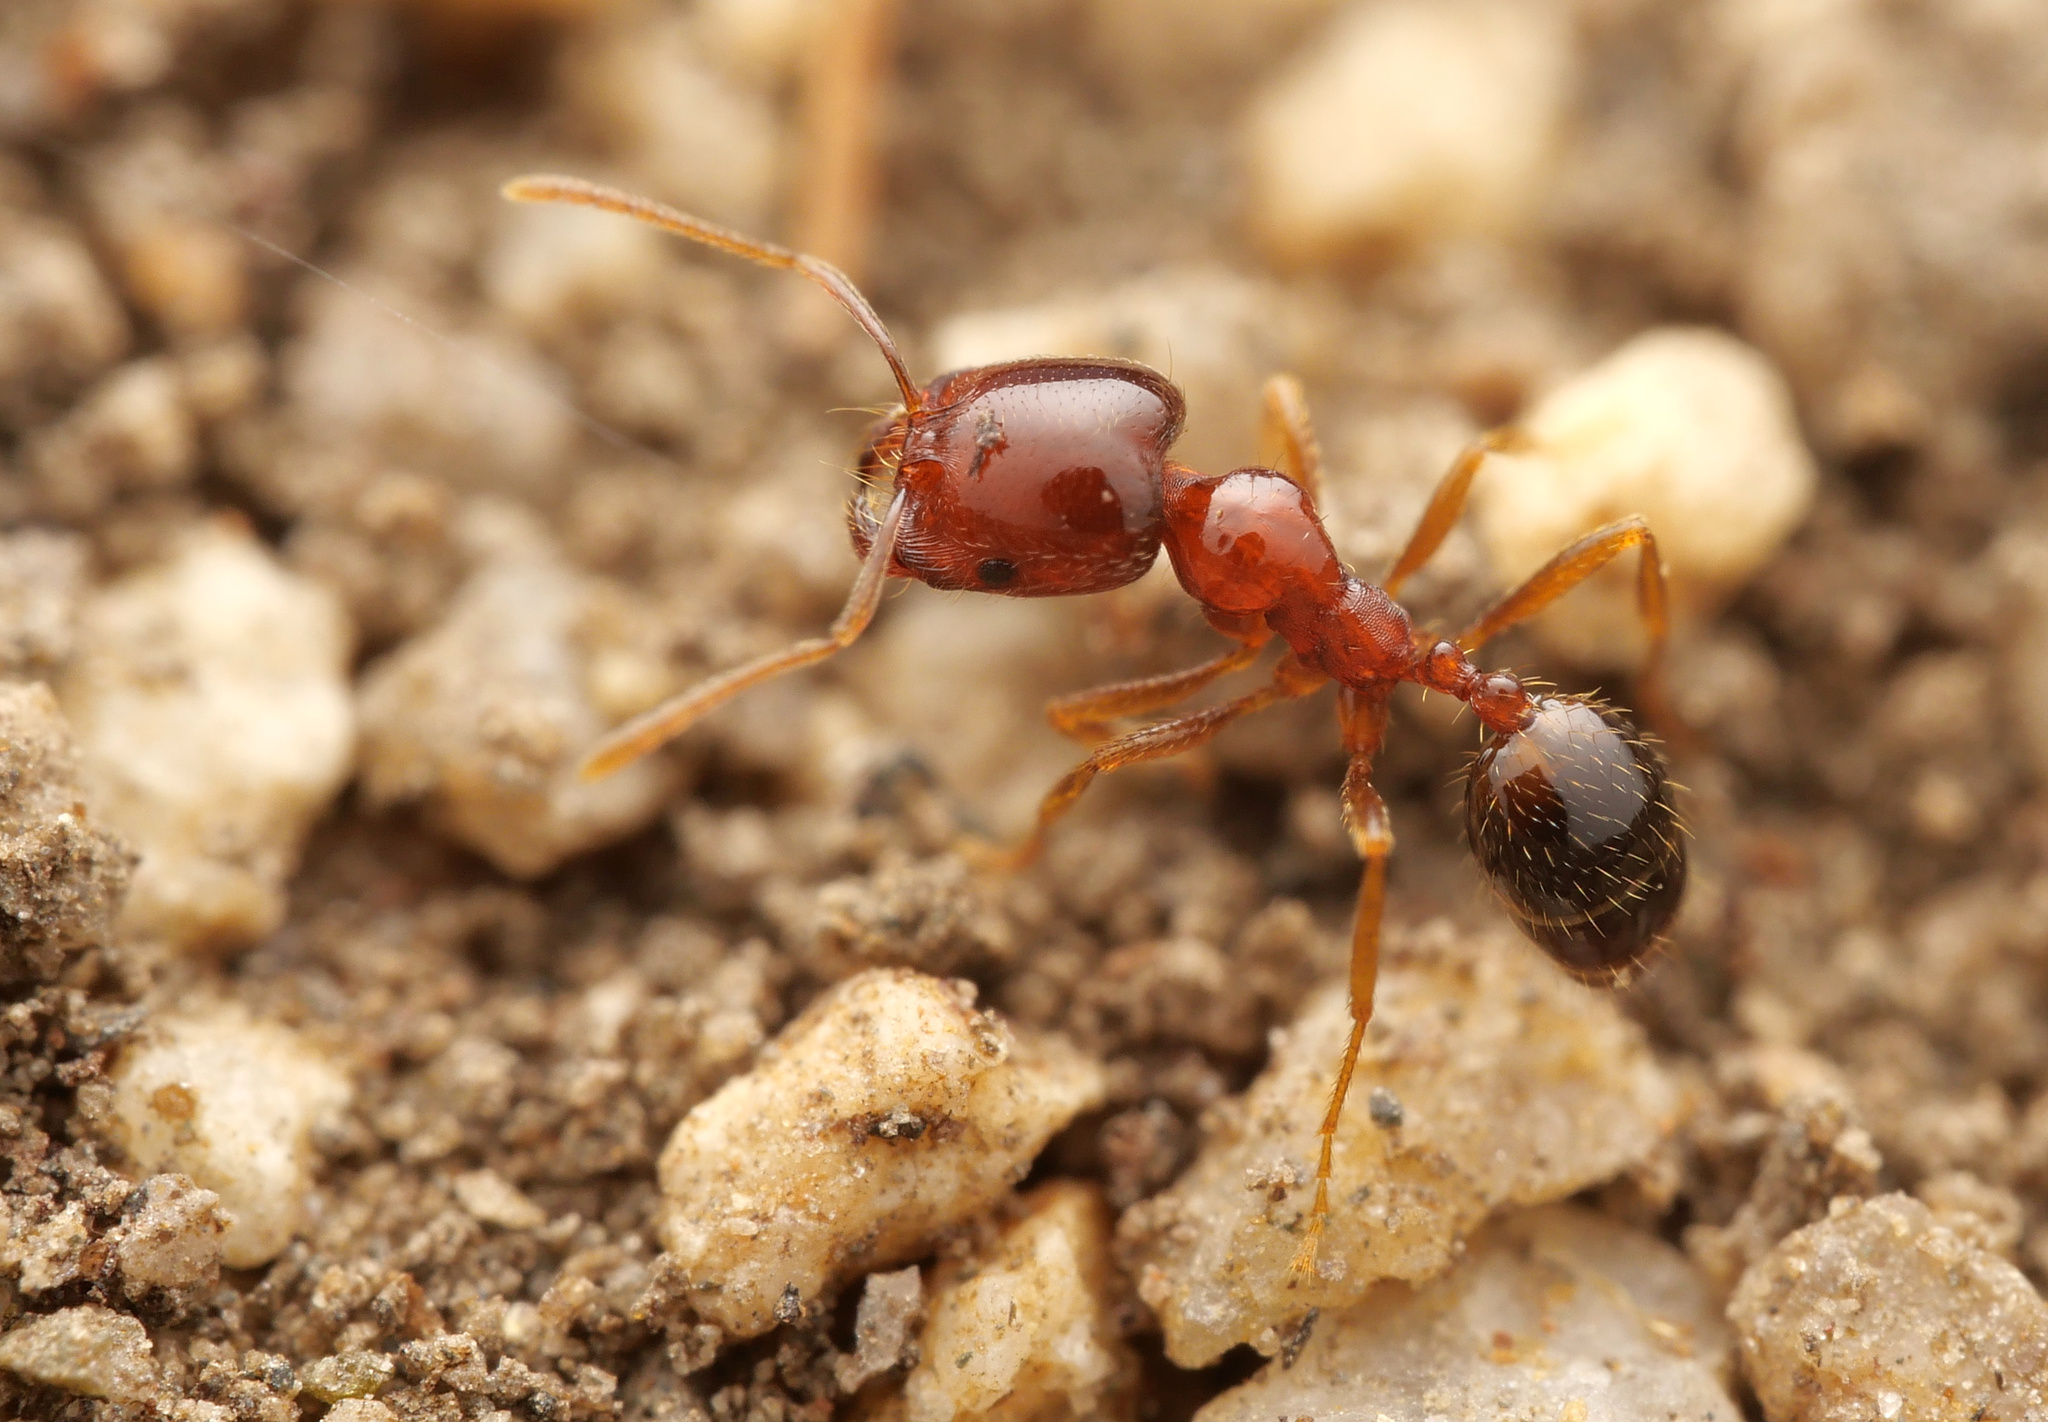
(1032, 479)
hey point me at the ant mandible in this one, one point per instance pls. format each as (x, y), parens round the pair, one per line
(1049, 477)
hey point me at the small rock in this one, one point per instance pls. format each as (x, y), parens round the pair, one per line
(1409, 119)
(1688, 427)
(1029, 1329)
(61, 876)
(346, 1375)
(232, 1103)
(59, 319)
(890, 1111)
(891, 1307)
(1557, 1313)
(132, 432)
(486, 715)
(1517, 1086)
(170, 1240)
(210, 699)
(493, 1199)
(88, 1350)
(1882, 1311)
(42, 578)
(359, 1409)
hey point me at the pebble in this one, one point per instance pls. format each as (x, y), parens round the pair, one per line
(1516, 1086)
(88, 1350)
(485, 716)
(169, 1240)
(1881, 1310)
(1686, 426)
(1029, 1328)
(61, 875)
(231, 1102)
(209, 698)
(59, 318)
(891, 1111)
(1554, 1313)
(42, 579)
(133, 432)
(1409, 120)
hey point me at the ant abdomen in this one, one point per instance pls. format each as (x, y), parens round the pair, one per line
(1571, 820)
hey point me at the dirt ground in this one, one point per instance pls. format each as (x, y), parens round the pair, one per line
(653, 437)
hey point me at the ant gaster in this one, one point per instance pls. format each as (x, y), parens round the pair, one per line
(1049, 477)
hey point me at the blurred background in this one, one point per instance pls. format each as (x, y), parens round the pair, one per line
(1773, 273)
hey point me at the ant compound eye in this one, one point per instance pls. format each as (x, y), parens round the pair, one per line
(996, 572)
(1571, 820)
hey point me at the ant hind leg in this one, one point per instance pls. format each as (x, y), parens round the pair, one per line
(1372, 835)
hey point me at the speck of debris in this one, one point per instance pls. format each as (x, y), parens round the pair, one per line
(1384, 1107)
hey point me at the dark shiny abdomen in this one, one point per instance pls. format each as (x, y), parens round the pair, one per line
(1572, 821)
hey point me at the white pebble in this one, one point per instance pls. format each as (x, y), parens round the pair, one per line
(1407, 120)
(1686, 426)
(232, 1103)
(1557, 1313)
(1488, 1079)
(209, 700)
(1030, 1328)
(486, 715)
(889, 1112)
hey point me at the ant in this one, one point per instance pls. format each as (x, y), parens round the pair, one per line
(1049, 477)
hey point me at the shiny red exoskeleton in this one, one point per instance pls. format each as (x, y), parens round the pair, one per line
(1049, 477)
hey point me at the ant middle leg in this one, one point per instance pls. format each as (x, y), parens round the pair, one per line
(1572, 566)
(1447, 502)
(1158, 741)
(1287, 438)
(1085, 716)
(1364, 717)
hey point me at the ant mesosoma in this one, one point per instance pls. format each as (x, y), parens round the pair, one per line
(1049, 477)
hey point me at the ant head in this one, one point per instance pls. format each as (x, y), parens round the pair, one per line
(1034, 479)
(1571, 820)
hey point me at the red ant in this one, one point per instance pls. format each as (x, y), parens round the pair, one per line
(1049, 477)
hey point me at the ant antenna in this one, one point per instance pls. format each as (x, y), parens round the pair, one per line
(548, 188)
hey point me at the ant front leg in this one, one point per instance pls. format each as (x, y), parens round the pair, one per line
(1573, 566)
(1364, 717)
(1287, 438)
(1157, 742)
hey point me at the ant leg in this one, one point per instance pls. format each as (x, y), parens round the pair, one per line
(1448, 502)
(1085, 715)
(1364, 715)
(1573, 566)
(648, 732)
(1287, 438)
(1156, 742)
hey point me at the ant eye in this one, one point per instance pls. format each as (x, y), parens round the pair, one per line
(995, 572)
(1571, 820)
